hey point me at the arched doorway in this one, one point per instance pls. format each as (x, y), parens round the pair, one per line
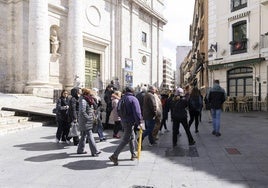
(240, 82)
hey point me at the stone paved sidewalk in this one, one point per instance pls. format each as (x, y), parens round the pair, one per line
(237, 159)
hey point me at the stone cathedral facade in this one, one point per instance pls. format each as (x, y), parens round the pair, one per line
(47, 45)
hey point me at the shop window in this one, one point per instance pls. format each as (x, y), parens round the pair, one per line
(240, 82)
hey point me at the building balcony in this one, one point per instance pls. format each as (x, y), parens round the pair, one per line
(238, 47)
(264, 45)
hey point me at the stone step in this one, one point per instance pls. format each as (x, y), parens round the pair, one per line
(15, 127)
(13, 119)
(6, 113)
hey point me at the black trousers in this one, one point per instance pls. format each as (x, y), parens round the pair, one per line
(175, 130)
(194, 116)
(63, 130)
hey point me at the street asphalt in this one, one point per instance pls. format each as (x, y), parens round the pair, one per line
(237, 159)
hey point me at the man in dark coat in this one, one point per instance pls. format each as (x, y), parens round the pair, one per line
(216, 98)
(179, 115)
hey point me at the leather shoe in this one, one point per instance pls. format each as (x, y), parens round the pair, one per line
(114, 160)
(218, 134)
(133, 157)
(192, 143)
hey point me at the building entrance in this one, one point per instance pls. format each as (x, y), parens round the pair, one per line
(92, 68)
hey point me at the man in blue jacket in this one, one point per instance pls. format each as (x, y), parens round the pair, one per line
(129, 121)
(216, 98)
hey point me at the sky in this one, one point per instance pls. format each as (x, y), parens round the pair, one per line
(179, 14)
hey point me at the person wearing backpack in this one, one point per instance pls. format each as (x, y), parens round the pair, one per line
(130, 119)
(195, 103)
(179, 115)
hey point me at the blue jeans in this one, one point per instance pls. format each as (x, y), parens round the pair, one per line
(149, 130)
(216, 118)
(91, 141)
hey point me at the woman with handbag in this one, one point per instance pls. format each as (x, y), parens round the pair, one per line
(85, 120)
(73, 112)
(62, 107)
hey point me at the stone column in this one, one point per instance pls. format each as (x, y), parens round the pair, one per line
(75, 52)
(38, 47)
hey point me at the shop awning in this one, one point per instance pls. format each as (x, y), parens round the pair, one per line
(236, 63)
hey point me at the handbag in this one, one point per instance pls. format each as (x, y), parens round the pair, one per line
(74, 130)
(95, 123)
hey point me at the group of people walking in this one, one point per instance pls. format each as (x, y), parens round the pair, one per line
(147, 106)
(81, 107)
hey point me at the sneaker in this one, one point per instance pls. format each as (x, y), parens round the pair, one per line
(114, 160)
(133, 157)
(57, 140)
(192, 143)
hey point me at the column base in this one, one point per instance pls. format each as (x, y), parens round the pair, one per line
(40, 90)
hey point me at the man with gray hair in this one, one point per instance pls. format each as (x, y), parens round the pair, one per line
(149, 113)
(141, 95)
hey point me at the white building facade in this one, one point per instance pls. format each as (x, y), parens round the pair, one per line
(238, 42)
(168, 75)
(54, 44)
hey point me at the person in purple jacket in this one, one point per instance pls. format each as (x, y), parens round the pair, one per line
(131, 120)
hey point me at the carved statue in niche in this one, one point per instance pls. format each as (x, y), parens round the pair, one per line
(54, 41)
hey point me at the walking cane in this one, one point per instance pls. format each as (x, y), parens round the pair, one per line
(139, 143)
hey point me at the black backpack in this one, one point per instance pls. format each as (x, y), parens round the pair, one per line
(122, 109)
(196, 103)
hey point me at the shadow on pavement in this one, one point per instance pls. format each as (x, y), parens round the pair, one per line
(89, 165)
(41, 146)
(48, 137)
(54, 156)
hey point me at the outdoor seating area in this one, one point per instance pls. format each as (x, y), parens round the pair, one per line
(244, 104)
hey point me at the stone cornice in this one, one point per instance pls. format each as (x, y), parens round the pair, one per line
(150, 11)
(58, 9)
